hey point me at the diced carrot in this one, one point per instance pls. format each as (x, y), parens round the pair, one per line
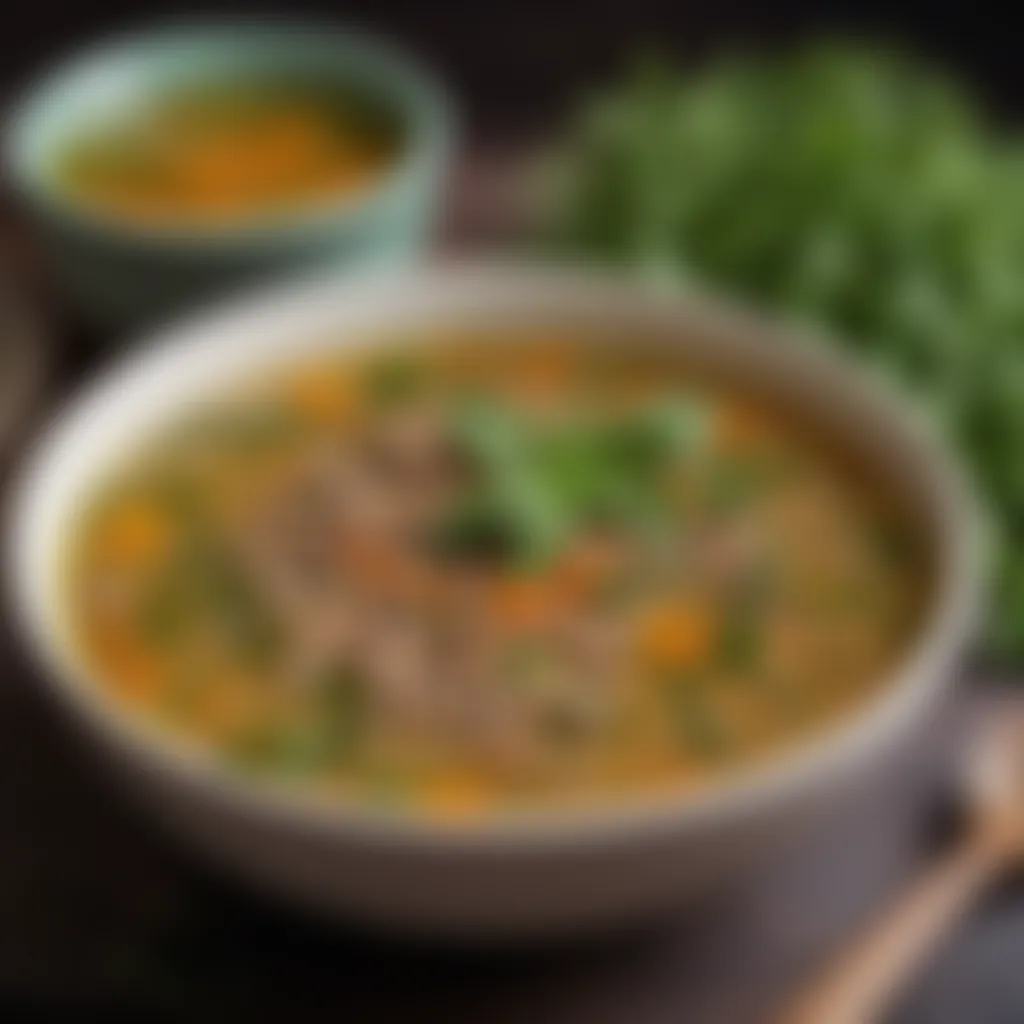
(546, 368)
(325, 397)
(676, 635)
(224, 709)
(131, 672)
(455, 795)
(739, 424)
(526, 602)
(135, 533)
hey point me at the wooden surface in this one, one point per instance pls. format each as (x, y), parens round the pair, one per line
(98, 912)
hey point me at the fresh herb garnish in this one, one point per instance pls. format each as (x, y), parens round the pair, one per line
(535, 485)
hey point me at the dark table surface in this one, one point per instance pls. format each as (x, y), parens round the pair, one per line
(97, 912)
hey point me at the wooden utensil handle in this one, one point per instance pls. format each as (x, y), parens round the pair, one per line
(862, 982)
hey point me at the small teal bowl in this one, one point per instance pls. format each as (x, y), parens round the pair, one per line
(121, 274)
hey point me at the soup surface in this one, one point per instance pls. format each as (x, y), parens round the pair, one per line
(223, 153)
(465, 576)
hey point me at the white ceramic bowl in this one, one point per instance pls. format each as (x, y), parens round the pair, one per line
(539, 870)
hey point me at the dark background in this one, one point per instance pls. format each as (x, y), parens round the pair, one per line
(516, 65)
(98, 915)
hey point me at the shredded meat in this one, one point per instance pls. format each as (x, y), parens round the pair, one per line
(429, 658)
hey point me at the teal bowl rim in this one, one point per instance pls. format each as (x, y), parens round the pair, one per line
(419, 96)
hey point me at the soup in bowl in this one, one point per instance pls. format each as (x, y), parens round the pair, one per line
(229, 151)
(471, 575)
(177, 164)
(415, 595)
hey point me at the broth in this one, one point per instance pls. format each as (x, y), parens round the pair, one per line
(224, 153)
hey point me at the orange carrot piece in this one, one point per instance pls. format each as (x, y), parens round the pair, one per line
(455, 795)
(135, 533)
(676, 635)
(526, 602)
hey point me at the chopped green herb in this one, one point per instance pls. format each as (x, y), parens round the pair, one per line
(739, 639)
(200, 585)
(328, 734)
(396, 380)
(341, 707)
(537, 485)
(699, 729)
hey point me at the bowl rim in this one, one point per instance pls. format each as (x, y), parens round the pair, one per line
(825, 754)
(420, 97)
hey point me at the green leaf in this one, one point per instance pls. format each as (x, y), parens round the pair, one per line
(329, 733)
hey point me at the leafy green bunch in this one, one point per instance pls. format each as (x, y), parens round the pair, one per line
(846, 187)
